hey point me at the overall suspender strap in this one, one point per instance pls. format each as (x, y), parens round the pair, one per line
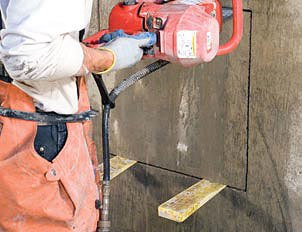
(47, 117)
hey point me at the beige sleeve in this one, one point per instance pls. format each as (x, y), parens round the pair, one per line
(58, 59)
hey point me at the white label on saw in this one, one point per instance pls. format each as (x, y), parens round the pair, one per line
(186, 44)
(209, 41)
(195, 2)
(191, 2)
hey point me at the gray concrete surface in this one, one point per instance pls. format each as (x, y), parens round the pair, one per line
(253, 144)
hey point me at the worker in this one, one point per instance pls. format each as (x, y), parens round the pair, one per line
(47, 181)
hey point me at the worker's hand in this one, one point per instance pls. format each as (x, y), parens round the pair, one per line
(127, 49)
(95, 60)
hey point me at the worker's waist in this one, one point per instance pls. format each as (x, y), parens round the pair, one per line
(47, 118)
(47, 113)
(48, 123)
(43, 118)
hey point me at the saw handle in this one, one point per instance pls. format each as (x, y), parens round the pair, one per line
(237, 30)
(93, 41)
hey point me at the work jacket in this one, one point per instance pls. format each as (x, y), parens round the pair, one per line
(41, 196)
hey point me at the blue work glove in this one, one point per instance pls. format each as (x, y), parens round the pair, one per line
(120, 33)
(127, 49)
(113, 35)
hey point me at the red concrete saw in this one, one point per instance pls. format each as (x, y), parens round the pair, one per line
(187, 30)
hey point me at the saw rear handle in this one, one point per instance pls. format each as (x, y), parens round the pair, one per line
(237, 30)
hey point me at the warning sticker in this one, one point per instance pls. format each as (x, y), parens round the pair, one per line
(191, 2)
(195, 2)
(186, 44)
(209, 41)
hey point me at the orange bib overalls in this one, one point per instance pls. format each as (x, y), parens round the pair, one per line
(41, 196)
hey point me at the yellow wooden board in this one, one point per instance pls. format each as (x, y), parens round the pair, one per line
(183, 205)
(118, 165)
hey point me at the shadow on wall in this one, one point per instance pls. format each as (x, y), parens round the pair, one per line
(263, 218)
(258, 215)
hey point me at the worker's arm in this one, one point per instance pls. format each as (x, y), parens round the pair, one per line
(40, 42)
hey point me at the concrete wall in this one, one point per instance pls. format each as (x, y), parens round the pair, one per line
(236, 120)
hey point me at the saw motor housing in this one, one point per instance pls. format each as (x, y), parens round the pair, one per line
(187, 30)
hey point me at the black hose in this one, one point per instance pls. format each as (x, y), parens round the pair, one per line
(108, 101)
(105, 133)
(127, 82)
